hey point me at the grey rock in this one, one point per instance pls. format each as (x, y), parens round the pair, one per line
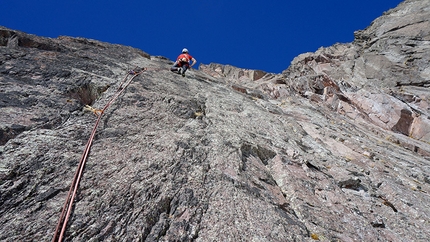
(335, 148)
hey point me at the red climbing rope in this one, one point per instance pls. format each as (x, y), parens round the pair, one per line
(68, 204)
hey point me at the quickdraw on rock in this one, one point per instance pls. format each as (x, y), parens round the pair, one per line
(68, 204)
(97, 112)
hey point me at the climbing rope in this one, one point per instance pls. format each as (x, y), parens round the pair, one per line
(68, 204)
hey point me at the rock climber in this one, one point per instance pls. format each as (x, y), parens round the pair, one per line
(182, 63)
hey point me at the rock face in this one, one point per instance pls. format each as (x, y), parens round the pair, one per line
(335, 148)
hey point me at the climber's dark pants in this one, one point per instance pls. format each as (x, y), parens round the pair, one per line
(176, 66)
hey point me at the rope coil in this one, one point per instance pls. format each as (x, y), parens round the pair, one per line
(68, 204)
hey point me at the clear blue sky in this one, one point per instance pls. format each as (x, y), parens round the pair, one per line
(264, 35)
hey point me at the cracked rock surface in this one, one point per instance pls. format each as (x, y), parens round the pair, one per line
(335, 148)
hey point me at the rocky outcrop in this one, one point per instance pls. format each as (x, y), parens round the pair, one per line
(335, 148)
(383, 76)
(232, 73)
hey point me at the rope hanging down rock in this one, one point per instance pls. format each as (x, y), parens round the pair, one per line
(68, 204)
